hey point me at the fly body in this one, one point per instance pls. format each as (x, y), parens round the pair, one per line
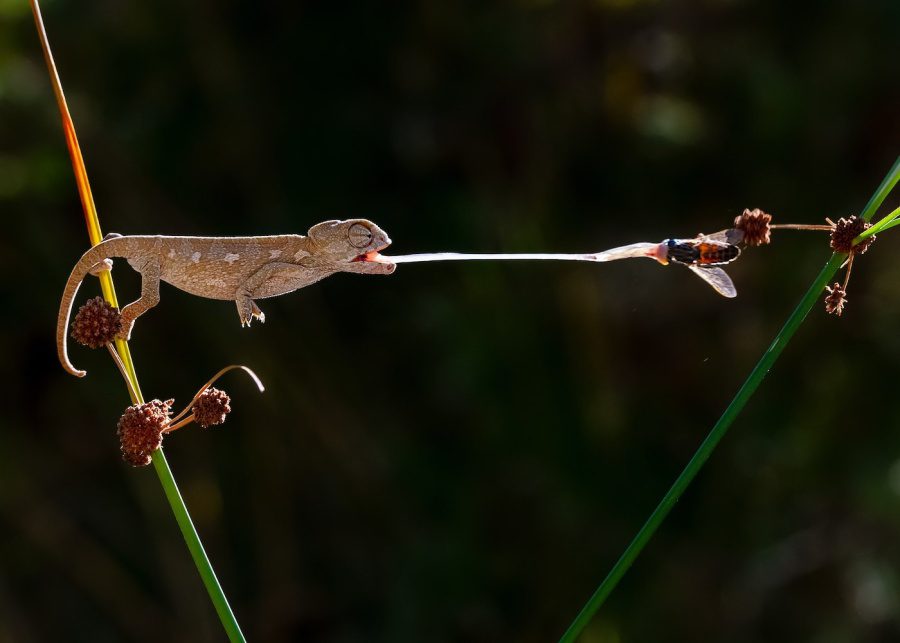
(701, 251)
(716, 253)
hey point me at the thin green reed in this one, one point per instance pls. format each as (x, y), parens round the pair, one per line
(167, 480)
(731, 413)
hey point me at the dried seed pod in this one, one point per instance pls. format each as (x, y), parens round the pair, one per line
(845, 231)
(837, 297)
(140, 430)
(211, 407)
(142, 427)
(755, 226)
(96, 324)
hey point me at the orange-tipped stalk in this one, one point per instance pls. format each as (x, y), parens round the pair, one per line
(167, 480)
(82, 183)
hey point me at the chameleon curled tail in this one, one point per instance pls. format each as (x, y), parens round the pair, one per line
(91, 261)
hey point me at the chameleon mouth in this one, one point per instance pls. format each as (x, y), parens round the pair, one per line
(370, 257)
(373, 256)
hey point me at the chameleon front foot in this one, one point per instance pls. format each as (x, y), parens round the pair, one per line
(257, 313)
(248, 311)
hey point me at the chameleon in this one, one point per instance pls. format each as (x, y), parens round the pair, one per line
(241, 269)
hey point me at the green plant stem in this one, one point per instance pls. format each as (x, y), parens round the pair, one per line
(893, 176)
(893, 223)
(182, 517)
(195, 546)
(885, 223)
(721, 427)
(706, 448)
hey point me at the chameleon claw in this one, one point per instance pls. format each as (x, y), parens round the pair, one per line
(125, 330)
(256, 313)
(104, 266)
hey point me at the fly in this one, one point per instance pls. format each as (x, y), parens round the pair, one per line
(703, 255)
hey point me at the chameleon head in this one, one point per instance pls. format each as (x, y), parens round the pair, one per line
(354, 241)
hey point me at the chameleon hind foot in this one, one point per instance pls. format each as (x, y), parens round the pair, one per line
(125, 332)
(107, 264)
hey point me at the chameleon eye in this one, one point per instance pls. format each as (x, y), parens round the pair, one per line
(360, 236)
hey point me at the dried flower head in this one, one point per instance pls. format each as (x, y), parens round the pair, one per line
(140, 430)
(837, 297)
(755, 226)
(96, 323)
(211, 407)
(845, 231)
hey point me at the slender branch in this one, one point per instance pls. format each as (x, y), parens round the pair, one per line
(132, 393)
(849, 268)
(213, 380)
(125, 363)
(177, 425)
(800, 226)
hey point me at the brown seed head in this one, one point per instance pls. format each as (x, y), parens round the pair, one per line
(834, 302)
(845, 231)
(755, 226)
(96, 323)
(211, 407)
(140, 430)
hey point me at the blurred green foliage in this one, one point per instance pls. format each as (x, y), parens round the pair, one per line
(458, 452)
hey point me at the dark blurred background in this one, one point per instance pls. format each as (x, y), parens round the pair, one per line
(458, 452)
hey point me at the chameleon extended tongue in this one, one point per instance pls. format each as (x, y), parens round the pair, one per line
(457, 256)
(623, 252)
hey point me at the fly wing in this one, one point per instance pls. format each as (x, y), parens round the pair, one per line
(717, 278)
(731, 236)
